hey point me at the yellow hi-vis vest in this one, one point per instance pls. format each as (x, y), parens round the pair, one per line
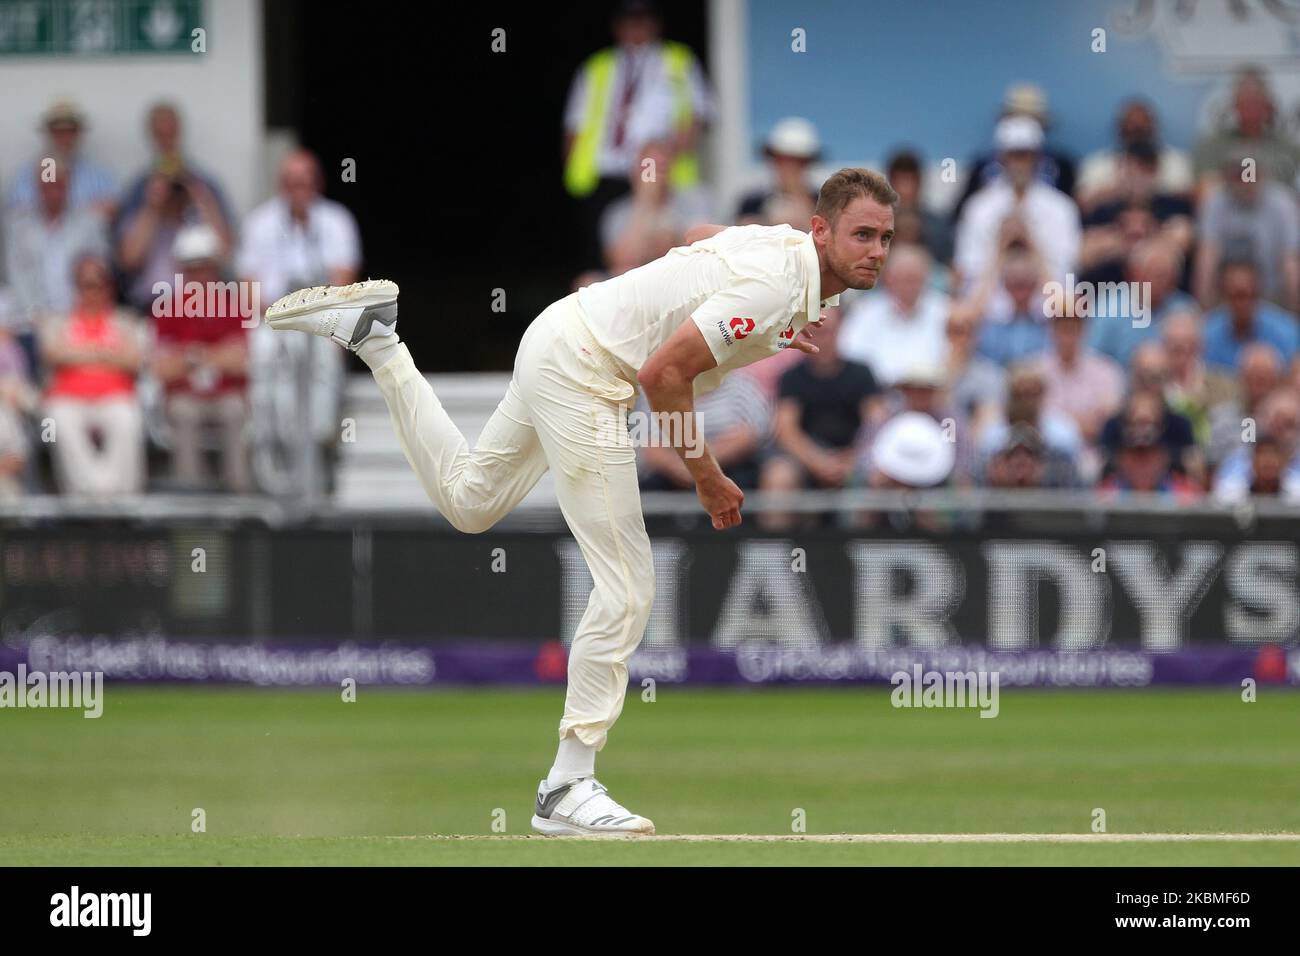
(582, 170)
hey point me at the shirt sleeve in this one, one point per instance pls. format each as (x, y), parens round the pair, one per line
(576, 104)
(971, 243)
(1211, 220)
(343, 250)
(752, 406)
(864, 381)
(1289, 217)
(252, 253)
(790, 384)
(701, 96)
(745, 312)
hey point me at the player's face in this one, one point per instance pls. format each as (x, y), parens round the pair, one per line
(858, 242)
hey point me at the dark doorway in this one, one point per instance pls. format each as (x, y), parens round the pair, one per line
(458, 169)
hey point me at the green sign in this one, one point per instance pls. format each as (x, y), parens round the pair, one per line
(98, 27)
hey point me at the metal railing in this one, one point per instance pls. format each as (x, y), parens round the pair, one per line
(846, 502)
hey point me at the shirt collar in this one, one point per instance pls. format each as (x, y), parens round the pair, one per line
(292, 223)
(812, 268)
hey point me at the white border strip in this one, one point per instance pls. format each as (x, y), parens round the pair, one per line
(915, 838)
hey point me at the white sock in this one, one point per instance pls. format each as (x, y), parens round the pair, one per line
(573, 761)
(379, 350)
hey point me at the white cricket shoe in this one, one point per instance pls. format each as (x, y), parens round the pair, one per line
(348, 314)
(584, 808)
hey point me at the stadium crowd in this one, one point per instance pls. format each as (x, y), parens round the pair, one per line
(1123, 321)
(129, 340)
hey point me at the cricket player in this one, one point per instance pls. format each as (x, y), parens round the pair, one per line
(673, 327)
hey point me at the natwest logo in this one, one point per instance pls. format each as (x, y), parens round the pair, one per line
(742, 327)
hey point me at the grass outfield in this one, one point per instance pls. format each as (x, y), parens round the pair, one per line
(299, 777)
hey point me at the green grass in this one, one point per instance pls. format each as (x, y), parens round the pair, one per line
(303, 778)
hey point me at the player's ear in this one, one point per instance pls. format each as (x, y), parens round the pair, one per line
(820, 227)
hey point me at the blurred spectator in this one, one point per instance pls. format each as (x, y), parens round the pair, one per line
(93, 354)
(1121, 324)
(641, 89)
(299, 238)
(791, 149)
(1107, 246)
(1137, 214)
(294, 240)
(977, 387)
(90, 185)
(1107, 176)
(1258, 375)
(171, 194)
(1191, 391)
(1017, 202)
(584, 279)
(1148, 378)
(1081, 383)
(900, 325)
(1253, 221)
(1143, 462)
(640, 228)
(18, 401)
(1244, 318)
(1138, 184)
(42, 245)
(1252, 131)
(922, 388)
(823, 403)
(911, 451)
(1053, 167)
(904, 173)
(1270, 464)
(1025, 461)
(1026, 391)
(734, 420)
(14, 445)
(202, 362)
(767, 373)
(1021, 332)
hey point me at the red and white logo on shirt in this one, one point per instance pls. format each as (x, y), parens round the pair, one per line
(741, 327)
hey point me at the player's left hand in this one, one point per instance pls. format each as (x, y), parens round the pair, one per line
(803, 341)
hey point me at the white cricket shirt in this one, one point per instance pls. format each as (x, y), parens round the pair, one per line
(749, 290)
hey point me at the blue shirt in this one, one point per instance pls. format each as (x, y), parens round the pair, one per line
(1273, 326)
(1118, 337)
(1235, 476)
(90, 183)
(1009, 342)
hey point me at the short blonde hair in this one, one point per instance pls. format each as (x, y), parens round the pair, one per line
(847, 185)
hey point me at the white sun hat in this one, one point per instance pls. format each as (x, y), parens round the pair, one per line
(794, 136)
(1018, 133)
(913, 450)
(197, 243)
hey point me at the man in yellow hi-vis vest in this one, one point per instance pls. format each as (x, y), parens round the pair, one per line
(644, 88)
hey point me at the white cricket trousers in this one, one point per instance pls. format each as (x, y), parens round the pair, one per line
(565, 409)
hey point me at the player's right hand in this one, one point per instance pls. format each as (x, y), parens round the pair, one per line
(722, 499)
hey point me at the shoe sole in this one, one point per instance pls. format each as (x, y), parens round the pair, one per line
(558, 828)
(382, 294)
